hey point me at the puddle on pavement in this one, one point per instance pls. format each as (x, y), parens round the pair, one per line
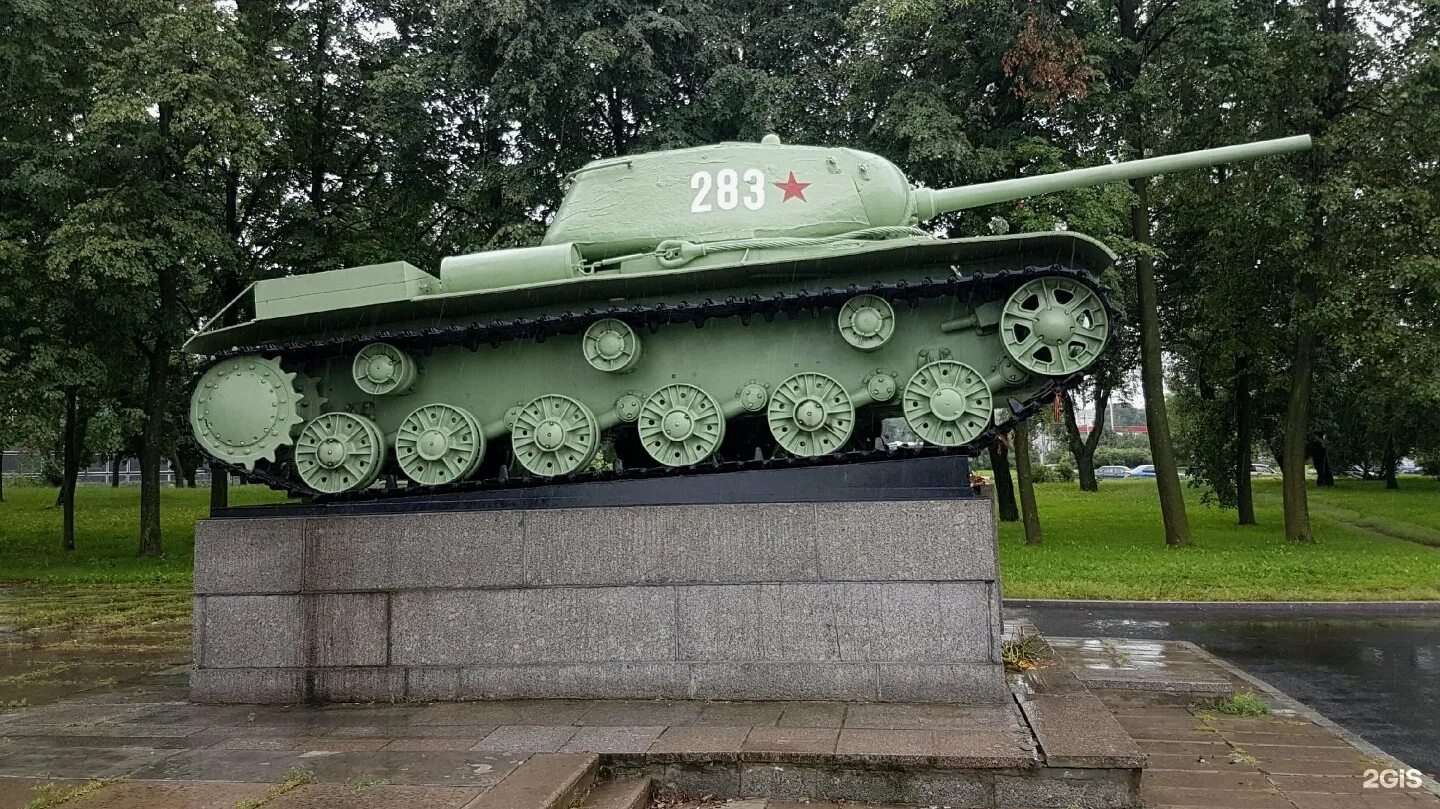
(1379, 677)
(59, 640)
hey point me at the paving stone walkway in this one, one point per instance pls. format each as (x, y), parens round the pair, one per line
(1199, 757)
(512, 754)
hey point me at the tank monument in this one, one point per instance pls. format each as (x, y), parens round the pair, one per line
(647, 459)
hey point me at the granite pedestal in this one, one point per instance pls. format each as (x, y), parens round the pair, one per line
(868, 601)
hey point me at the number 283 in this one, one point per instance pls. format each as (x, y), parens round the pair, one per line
(723, 190)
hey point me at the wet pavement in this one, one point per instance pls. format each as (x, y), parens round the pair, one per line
(1377, 675)
(59, 640)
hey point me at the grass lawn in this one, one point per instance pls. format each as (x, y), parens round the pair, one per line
(107, 533)
(1109, 545)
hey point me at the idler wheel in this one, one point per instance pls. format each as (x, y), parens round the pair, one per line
(245, 408)
(810, 414)
(867, 322)
(554, 435)
(947, 403)
(339, 452)
(439, 443)
(680, 425)
(1054, 326)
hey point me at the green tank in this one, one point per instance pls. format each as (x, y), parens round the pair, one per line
(698, 309)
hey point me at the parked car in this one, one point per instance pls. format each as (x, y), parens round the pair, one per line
(1144, 470)
(1409, 467)
(1262, 470)
(1112, 472)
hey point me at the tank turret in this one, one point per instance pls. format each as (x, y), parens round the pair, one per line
(771, 190)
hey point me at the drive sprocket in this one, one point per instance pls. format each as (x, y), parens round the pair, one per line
(244, 409)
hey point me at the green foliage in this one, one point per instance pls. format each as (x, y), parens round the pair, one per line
(1128, 457)
(1241, 703)
(1065, 470)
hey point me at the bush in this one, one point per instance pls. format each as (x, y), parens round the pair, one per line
(1065, 471)
(1121, 456)
(1040, 473)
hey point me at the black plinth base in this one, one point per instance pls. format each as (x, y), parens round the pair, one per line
(933, 478)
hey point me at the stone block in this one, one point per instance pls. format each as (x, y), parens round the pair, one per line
(1101, 789)
(251, 632)
(1077, 730)
(269, 685)
(772, 680)
(433, 683)
(249, 556)
(970, 683)
(672, 544)
(954, 788)
(347, 629)
(581, 681)
(356, 684)
(404, 551)
(912, 621)
(757, 622)
(528, 627)
(906, 541)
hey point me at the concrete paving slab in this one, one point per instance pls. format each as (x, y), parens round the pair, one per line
(812, 714)
(34, 760)
(631, 741)
(545, 781)
(1077, 730)
(790, 744)
(699, 744)
(527, 738)
(876, 746)
(741, 714)
(930, 716)
(445, 769)
(268, 766)
(1166, 796)
(422, 745)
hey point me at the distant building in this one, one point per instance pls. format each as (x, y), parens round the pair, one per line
(1120, 417)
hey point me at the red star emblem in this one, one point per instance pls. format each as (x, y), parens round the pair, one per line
(793, 188)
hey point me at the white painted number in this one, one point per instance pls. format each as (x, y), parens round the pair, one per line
(726, 184)
(700, 180)
(755, 200)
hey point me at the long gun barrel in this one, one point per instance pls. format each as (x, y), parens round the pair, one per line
(932, 202)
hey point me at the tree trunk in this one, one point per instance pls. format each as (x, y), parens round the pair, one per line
(1152, 378)
(115, 472)
(1292, 452)
(1084, 448)
(177, 471)
(1004, 487)
(1027, 483)
(71, 469)
(1389, 462)
(1244, 442)
(152, 440)
(1320, 456)
(219, 487)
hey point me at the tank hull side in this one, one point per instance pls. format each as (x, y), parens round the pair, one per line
(740, 272)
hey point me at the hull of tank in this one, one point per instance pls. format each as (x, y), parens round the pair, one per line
(749, 359)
